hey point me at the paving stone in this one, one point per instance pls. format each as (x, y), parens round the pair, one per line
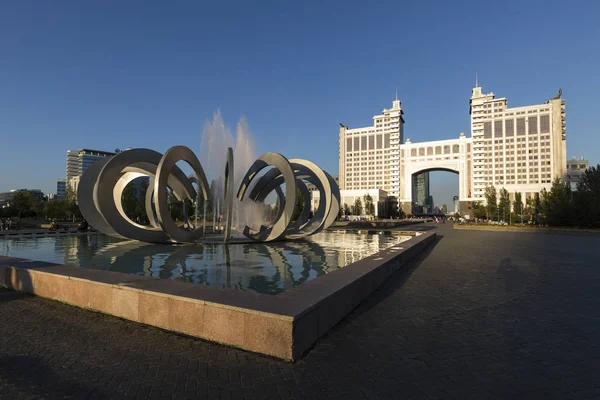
(480, 315)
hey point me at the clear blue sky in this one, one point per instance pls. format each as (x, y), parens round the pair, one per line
(117, 74)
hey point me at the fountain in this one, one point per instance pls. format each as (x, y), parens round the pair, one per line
(229, 285)
(101, 187)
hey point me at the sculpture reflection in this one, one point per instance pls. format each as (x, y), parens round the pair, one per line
(269, 268)
(256, 267)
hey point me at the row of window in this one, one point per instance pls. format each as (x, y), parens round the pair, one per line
(507, 126)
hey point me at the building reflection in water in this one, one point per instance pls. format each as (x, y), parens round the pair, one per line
(265, 268)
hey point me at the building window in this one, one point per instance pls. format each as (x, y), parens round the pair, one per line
(545, 123)
(532, 121)
(509, 129)
(520, 126)
(498, 129)
(487, 129)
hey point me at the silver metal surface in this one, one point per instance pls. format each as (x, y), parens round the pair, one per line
(102, 185)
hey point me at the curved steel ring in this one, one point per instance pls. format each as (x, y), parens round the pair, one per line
(277, 230)
(101, 188)
(163, 171)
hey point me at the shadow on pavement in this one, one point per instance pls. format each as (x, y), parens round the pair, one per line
(7, 295)
(33, 376)
(23, 283)
(393, 283)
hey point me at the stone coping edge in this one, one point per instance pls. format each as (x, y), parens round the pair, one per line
(500, 228)
(285, 326)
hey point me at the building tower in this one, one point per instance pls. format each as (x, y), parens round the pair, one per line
(78, 162)
(520, 149)
(369, 157)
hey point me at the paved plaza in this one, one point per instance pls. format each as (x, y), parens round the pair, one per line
(480, 315)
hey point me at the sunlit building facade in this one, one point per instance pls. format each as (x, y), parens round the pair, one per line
(521, 149)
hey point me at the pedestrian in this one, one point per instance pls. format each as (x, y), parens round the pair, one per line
(1, 225)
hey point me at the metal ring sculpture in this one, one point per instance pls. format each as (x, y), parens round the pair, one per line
(102, 185)
(292, 173)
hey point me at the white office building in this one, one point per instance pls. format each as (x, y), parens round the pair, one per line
(520, 149)
(575, 168)
(78, 162)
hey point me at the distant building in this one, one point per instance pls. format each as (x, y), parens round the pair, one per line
(421, 196)
(78, 161)
(575, 168)
(61, 189)
(6, 198)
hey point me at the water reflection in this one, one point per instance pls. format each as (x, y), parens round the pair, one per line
(264, 268)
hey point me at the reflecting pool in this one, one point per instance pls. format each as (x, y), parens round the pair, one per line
(264, 268)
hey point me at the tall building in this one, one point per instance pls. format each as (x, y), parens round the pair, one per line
(78, 162)
(61, 189)
(421, 196)
(575, 168)
(521, 149)
(369, 156)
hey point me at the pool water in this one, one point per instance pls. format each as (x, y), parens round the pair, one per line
(263, 268)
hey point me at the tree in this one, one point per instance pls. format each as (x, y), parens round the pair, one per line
(518, 204)
(479, 210)
(175, 206)
(556, 205)
(529, 209)
(133, 200)
(586, 199)
(347, 210)
(369, 206)
(444, 209)
(398, 212)
(129, 201)
(491, 202)
(23, 202)
(357, 208)
(299, 205)
(70, 204)
(537, 204)
(140, 207)
(39, 208)
(504, 204)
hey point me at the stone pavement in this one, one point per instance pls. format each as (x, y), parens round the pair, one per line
(483, 315)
